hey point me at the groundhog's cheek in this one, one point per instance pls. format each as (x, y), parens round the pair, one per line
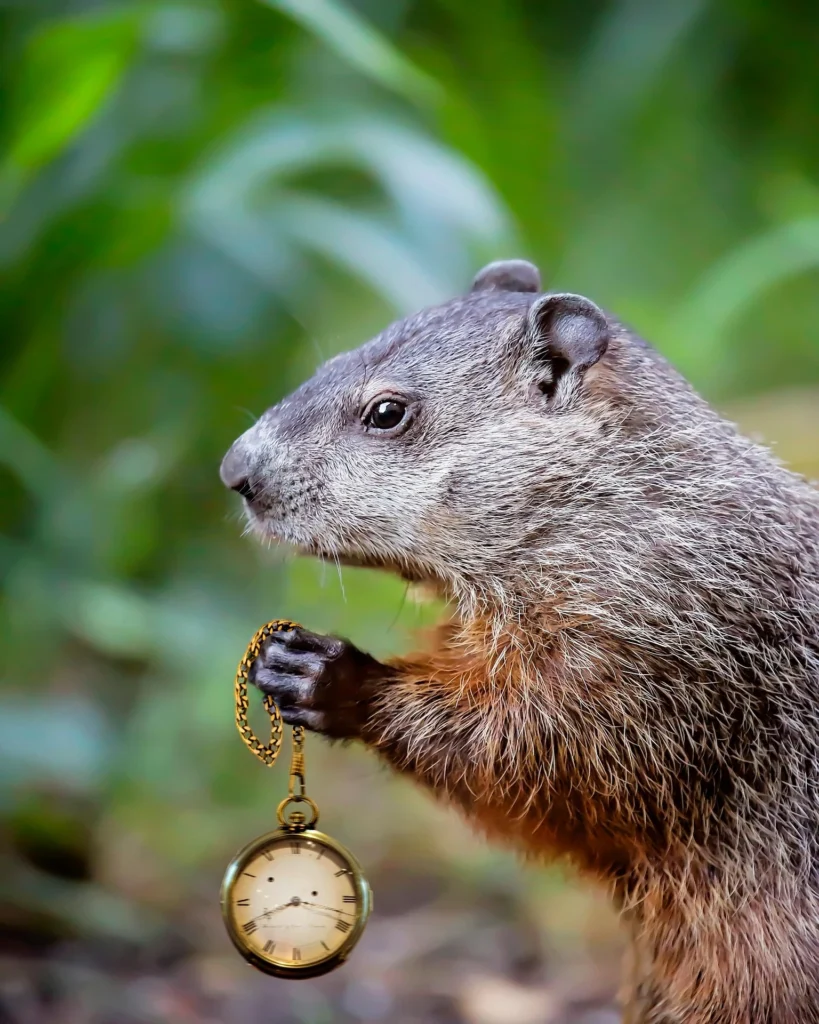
(388, 486)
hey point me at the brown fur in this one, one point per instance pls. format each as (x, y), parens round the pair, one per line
(708, 944)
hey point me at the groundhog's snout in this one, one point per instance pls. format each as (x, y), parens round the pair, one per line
(235, 470)
(258, 463)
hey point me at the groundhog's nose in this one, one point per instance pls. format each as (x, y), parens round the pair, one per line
(235, 471)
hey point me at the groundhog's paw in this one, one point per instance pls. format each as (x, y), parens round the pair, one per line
(321, 682)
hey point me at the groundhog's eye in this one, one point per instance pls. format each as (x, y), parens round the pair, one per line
(386, 414)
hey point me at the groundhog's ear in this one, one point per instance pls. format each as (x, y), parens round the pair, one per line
(569, 330)
(508, 276)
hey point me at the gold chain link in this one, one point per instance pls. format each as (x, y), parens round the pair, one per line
(295, 820)
(266, 752)
(296, 786)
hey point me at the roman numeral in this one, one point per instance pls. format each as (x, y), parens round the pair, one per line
(344, 871)
(296, 955)
(343, 926)
(295, 848)
(242, 903)
(321, 853)
(269, 946)
(268, 855)
(249, 928)
(325, 945)
(348, 899)
(248, 874)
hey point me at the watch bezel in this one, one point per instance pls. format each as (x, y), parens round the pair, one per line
(316, 967)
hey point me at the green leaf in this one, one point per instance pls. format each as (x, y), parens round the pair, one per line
(423, 245)
(733, 283)
(70, 69)
(360, 45)
(27, 458)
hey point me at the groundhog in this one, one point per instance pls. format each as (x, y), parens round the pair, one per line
(630, 673)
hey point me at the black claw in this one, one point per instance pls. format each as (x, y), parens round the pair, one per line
(304, 640)
(283, 660)
(312, 720)
(284, 689)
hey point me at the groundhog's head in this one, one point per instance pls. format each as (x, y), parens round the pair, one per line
(438, 449)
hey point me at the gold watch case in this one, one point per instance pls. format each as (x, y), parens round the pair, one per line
(269, 964)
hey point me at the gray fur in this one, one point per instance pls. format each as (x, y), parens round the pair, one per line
(508, 276)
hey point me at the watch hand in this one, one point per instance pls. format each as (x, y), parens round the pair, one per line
(267, 913)
(320, 906)
(318, 910)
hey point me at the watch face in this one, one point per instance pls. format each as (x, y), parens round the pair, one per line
(294, 902)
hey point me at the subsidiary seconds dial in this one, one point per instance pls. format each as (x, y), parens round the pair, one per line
(295, 903)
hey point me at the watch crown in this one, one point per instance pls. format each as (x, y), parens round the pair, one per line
(297, 819)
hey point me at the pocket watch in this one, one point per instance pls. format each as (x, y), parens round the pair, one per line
(294, 901)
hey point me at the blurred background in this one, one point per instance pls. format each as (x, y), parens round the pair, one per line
(200, 200)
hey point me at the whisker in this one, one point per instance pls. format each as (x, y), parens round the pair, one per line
(340, 579)
(401, 606)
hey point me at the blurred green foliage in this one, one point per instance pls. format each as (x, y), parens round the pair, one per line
(200, 199)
